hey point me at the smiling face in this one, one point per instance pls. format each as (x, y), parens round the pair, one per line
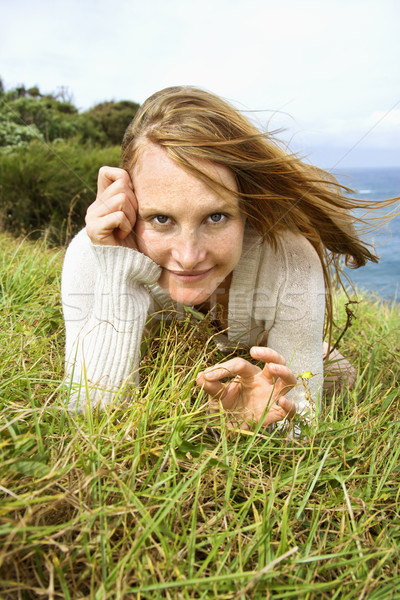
(192, 231)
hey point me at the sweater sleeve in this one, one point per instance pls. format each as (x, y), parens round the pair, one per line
(297, 331)
(105, 308)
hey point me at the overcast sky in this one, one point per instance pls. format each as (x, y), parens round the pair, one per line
(328, 71)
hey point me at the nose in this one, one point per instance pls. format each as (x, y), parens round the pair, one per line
(188, 250)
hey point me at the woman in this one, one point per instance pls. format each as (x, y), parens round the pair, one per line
(207, 211)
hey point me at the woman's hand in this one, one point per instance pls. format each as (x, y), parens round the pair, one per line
(252, 392)
(112, 216)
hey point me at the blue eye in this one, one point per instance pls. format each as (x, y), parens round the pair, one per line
(161, 219)
(217, 217)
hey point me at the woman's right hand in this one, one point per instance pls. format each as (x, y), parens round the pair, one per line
(112, 216)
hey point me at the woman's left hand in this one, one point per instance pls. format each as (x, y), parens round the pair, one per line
(251, 392)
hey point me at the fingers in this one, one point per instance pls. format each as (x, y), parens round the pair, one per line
(231, 368)
(115, 192)
(107, 176)
(286, 409)
(213, 388)
(288, 406)
(219, 390)
(250, 391)
(107, 213)
(112, 217)
(275, 369)
(282, 377)
(237, 370)
(98, 227)
(275, 373)
(267, 355)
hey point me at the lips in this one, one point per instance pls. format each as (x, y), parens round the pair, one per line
(189, 276)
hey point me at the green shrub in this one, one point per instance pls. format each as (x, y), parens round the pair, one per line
(48, 187)
(106, 122)
(52, 118)
(13, 134)
(49, 159)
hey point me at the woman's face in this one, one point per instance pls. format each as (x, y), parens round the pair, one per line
(193, 232)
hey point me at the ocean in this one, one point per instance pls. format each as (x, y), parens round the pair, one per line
(377, 184)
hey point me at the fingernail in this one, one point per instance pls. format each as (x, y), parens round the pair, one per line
(212, 374)
(208, 376)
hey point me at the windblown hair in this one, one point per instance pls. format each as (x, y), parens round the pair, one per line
(276, 190)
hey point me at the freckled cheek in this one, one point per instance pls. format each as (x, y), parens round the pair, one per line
(228, 249)
(150, 244)
(221, 251)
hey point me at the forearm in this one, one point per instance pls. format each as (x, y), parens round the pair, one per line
(299, 340)
(299, 321)
(104, 326)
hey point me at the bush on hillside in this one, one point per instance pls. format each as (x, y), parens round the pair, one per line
(49, 187)
(49, 158)
(13, 134)
(52, 119)
(106, 122)
(26, 114)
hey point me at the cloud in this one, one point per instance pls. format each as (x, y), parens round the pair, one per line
(332, 67)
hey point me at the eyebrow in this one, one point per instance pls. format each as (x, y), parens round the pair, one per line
(222, 207)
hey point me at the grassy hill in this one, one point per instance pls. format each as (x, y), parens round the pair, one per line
(155, 500)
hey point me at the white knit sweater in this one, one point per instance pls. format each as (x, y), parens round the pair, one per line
(109, 291)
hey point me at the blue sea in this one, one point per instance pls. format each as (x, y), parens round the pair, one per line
(378, 184)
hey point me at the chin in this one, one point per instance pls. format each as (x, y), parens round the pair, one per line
(189, 297)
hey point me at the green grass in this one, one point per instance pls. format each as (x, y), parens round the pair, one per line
(155, 500)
